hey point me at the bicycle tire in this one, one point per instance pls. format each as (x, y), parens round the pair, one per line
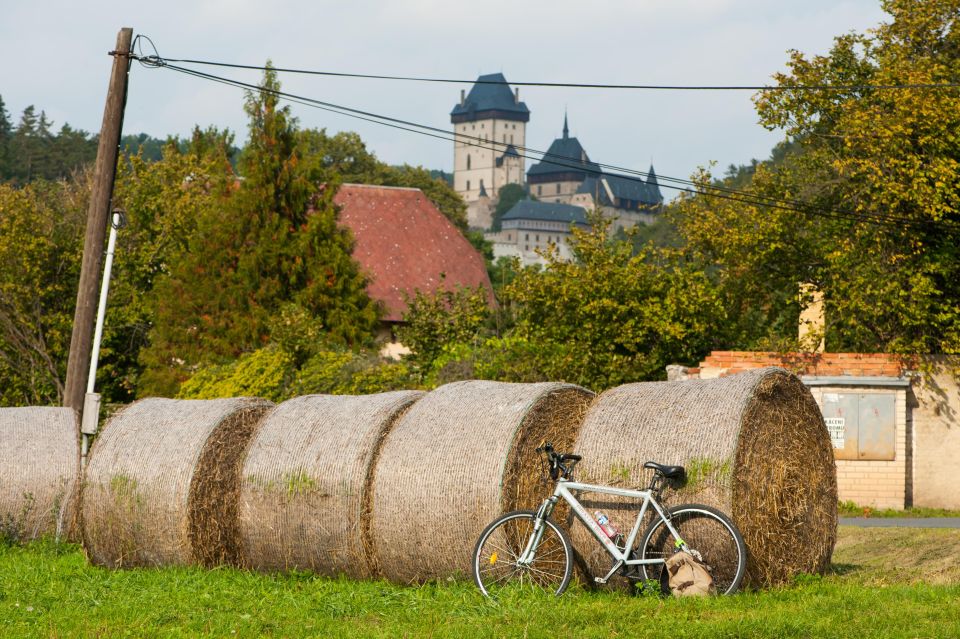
(495, 556)
(706, 530)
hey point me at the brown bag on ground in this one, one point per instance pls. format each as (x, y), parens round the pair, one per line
(689, 577)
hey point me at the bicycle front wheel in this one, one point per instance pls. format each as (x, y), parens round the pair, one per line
(705, 530)
(496, 558)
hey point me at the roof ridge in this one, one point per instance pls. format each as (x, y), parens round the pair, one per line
(382, 186)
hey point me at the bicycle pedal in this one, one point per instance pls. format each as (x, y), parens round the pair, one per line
(600, 580)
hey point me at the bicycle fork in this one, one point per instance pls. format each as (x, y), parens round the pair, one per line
(530, 551)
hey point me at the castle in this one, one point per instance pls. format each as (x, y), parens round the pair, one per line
(490, 124)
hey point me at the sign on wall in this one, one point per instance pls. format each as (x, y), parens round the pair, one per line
(861, 425)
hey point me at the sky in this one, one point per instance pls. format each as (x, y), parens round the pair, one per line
(54, 56)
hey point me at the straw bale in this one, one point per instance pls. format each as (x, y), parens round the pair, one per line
(754, 445)
(39, 466)
(306, 479)
(163, 481)
(456, 460)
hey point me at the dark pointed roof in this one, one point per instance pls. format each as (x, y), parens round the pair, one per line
(564, 160)
(483, 190)
(644, 193)
(652, 178)
(490, 97)
(546, 211)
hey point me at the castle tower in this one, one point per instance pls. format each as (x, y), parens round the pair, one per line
(562, 169)
(489, 125)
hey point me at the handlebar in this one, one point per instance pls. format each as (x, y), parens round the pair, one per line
(558, 466)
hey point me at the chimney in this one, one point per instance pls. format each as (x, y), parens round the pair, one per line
(516, 95)
(463, 96)
(812, 329)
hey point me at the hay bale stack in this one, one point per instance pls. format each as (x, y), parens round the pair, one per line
(754, 445)
(163, 482)
(459, 457)
(305, 493)
(39, 465)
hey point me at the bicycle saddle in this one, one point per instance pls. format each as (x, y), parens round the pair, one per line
(670, 472)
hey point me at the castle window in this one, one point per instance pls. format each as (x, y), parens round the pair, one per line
(511, 138)
(508, 237)
(558, 189)
(468, 185)
(526, 237)
(539, 189)
(538, 238)
(504, 137)
(468, 164)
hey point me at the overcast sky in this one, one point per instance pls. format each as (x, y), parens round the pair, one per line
(54, 56)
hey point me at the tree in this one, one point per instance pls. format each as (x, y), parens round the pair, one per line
(435, 321)
(163, 201)
(609, 316)
(41, 230)
(507, 197)
(875, 182)
(274, 242)
(6, 136)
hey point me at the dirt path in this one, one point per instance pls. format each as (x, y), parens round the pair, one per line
(899, 555)
(901, 522)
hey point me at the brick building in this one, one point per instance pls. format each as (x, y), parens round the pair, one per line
(895, 424)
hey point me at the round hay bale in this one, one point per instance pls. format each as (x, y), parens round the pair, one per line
(39, 465)
(460, 456)
(305, 489)
(163, 482)
(754, 445)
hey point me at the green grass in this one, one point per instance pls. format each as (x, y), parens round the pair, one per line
(51, 591)
(850, 509)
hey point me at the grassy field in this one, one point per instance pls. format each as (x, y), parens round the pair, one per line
(885, 583)
(850, 509)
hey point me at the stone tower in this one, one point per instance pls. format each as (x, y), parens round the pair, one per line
(489, 125)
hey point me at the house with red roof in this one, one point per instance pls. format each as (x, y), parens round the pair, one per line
(405, 244)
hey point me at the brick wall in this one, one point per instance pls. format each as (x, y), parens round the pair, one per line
(720, 363)
(880, 484)
(936, 435)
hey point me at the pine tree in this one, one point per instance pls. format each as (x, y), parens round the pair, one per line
(6, 135)
(23, 147)
(276, 243)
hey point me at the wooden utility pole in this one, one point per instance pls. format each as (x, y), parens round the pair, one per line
(97, 215)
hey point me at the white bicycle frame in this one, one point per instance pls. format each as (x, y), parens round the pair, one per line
(565, 490)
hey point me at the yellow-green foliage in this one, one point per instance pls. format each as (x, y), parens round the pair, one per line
(263, 373)
(873, 182)
(611, 316)
(272, 373)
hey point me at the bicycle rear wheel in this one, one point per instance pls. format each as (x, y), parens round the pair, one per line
(495, 558)
(704, 529)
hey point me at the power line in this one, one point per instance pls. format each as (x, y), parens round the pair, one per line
(443, 134)
(573, 85)
(708, 190)
(714, 190)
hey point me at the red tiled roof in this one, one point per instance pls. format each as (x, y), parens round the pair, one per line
(404, 243)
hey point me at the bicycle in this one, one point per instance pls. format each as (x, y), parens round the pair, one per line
(526, 548)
